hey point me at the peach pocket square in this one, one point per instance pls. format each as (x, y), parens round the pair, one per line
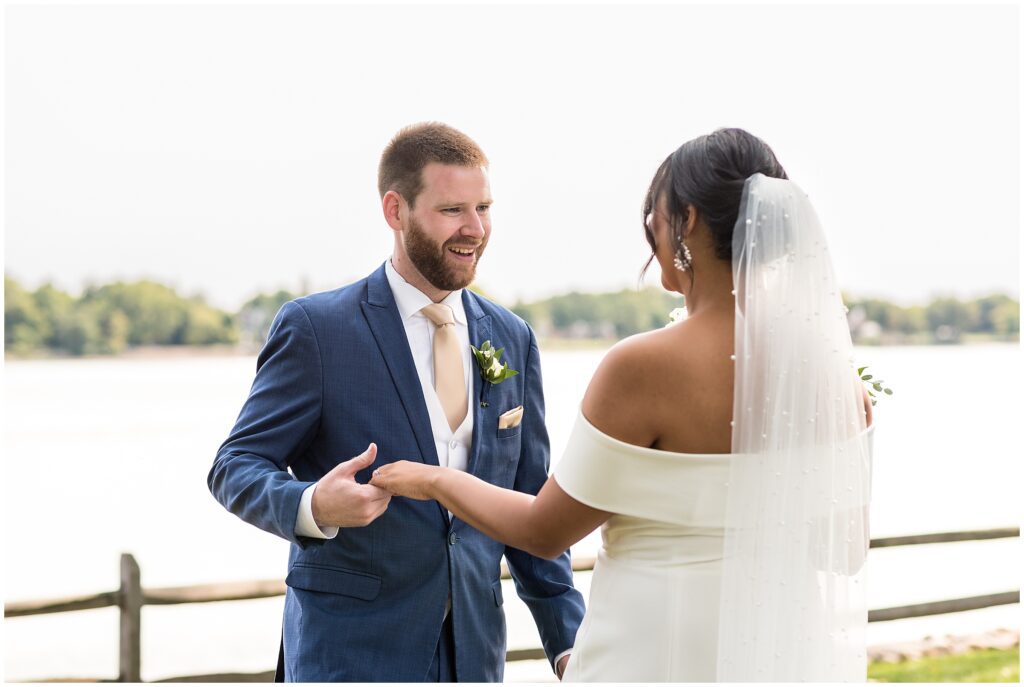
(511, 419)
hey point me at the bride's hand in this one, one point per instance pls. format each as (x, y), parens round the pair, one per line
(405, 478)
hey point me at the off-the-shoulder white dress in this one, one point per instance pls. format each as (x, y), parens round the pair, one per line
(652, 615)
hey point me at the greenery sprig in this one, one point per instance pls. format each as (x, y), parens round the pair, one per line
(873, 384)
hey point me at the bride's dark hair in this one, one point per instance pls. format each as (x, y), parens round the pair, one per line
(708, 172)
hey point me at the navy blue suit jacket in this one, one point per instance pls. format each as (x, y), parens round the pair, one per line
(335, 374)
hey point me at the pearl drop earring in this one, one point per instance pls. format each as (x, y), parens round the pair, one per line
(683, 259)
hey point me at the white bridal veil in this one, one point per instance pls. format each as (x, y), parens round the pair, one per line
(792, 602)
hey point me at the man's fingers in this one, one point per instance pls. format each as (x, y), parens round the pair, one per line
(375, 493)
(383, 506)
(376, 507)
(364, 460)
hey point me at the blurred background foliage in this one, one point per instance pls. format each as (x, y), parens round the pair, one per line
(116, 317)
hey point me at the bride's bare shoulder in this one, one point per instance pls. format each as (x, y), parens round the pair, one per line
(617, 401)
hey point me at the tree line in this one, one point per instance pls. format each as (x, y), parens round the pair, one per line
(112, 318)
(943, 320)
(872, 321)
(109, 319)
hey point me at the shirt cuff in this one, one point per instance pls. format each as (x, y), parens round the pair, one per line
(305, 525)
(559, 658)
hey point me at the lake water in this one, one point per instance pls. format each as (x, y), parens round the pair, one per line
(104, 456)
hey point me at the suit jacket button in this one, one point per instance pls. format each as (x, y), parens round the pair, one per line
(452, 538)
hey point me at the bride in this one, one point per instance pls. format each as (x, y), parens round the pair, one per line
(726, 458)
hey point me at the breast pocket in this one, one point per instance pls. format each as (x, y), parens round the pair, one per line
(509, 432)
(505, 456)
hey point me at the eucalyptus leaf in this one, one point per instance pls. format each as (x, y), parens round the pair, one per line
(872, 384)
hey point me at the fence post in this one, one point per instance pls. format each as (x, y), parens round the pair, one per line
(129, 599)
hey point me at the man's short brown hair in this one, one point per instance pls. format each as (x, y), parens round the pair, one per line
(416, 146)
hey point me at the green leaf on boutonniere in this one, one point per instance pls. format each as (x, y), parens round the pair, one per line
(489, 362)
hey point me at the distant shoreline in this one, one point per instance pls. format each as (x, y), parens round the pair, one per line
(142, 353)
(551, 344)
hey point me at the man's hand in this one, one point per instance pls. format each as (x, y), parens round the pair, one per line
(560, 667)
(340, 501)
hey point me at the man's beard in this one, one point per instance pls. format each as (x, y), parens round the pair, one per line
(431, 259)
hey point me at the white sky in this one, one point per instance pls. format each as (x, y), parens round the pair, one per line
(233, 149)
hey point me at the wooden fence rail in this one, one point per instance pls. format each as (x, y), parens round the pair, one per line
(131, 597)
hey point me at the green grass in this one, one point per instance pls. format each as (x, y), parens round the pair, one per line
(988, 665)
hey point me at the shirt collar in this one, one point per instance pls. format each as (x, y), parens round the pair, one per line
(411, 300)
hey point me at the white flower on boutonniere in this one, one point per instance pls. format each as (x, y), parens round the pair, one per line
(489, 362)
(677, 315)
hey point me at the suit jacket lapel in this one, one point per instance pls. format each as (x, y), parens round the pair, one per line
(479, 331)
(381, 313)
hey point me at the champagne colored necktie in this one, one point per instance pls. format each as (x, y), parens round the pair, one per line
(449, 374)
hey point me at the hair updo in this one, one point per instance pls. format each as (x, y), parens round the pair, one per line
(708, 173)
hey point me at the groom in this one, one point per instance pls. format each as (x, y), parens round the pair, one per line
(398, 590)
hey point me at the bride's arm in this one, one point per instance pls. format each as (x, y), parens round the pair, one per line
(544, 525)
(547, 524)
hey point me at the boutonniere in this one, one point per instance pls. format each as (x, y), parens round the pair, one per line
(489, 362)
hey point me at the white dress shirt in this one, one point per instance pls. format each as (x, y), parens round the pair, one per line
(452, 447)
